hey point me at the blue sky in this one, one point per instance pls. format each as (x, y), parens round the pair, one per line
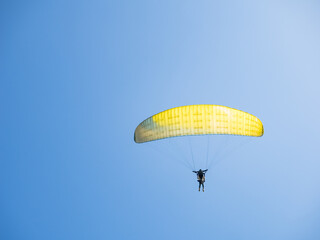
(77, 77)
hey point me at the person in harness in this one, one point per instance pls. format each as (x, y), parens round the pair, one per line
(201, 177)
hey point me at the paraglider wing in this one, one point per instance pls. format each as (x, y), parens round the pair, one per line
(198, 120)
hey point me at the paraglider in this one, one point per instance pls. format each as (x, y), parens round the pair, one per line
(198, 120)
(201, 176)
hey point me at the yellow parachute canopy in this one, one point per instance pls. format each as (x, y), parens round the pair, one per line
(198, 120)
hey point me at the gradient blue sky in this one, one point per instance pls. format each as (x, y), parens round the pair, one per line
(77, 77)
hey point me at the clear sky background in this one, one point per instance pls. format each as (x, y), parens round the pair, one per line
(77, 77)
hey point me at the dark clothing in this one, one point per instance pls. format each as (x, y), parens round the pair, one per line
(201, 177)
(200, 173)
(200, 183)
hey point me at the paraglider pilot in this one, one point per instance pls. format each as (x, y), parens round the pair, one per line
(201, 177)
